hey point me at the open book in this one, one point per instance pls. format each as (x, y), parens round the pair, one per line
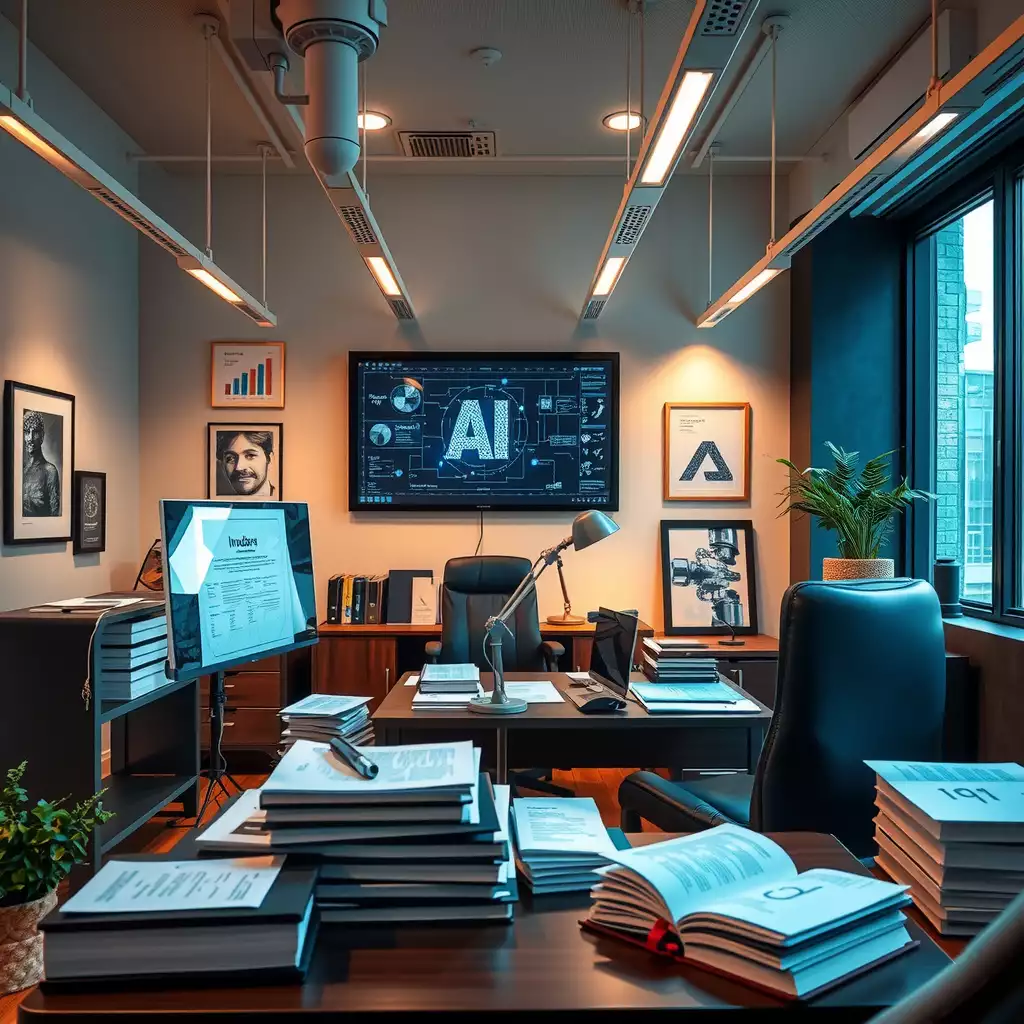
(732, 901)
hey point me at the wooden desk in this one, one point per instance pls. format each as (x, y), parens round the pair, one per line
(541, 962)
(561, 735)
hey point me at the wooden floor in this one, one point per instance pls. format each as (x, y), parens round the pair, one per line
(158, 837)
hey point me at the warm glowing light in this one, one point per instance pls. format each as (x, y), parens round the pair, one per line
(609, 275)
(380, 270)
(620, 121)
(756, 285)
(936, 125)
(215, 286)
(39, 146)
(374, 121)
(673, 129)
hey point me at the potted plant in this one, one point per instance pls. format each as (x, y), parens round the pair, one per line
(857, 506)
(38, 848)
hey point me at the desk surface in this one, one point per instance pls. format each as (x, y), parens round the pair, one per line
(541, 962)
(431, 630)
(396, 708)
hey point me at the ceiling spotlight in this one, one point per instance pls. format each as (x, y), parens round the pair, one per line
(622, 121)
(374, 121)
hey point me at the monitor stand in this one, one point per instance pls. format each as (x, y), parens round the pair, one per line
(217, 771)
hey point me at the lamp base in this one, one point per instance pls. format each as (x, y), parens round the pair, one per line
(483, 706)
(732, 643)
(566, 620)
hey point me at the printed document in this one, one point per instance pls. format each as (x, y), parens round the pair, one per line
(552, 824)
(322, 705)
(685, 692)
(537, 691)
(146, 886)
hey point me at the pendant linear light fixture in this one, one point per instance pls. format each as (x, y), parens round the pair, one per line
(953, 116)
(707, 47)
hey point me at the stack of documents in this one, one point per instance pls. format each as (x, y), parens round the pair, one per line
(666, 660)
(692, 698)
(954, 833)
(130, 656)
(732, 901)
(322, 716)
(444, 700)
(251, 919)
(560, 844)
(534, 691)
(425, 840)
(450, 679)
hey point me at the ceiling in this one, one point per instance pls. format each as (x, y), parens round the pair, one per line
(562, 69)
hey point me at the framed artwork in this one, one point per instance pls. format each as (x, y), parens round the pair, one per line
(706, 451)
(707, 576)
(89, 512)
(243, 461)
(247, 374)
(39, 456)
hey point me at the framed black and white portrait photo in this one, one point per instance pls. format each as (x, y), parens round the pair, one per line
(89, 512)
(39, 446)
(707, 576)
(244, 461)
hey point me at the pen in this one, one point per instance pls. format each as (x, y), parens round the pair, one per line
(353, 758)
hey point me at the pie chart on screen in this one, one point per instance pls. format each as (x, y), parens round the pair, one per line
(406, 397)
(380, 434)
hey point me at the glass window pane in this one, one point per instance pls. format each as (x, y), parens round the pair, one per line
(964, 443)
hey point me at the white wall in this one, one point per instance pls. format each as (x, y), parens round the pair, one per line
(492, 263)
(69, 321)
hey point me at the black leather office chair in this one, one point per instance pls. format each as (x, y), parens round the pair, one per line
(474, 589)
(861, 676)
(982, 986)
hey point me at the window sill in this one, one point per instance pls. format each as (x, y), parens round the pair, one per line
(973, 624)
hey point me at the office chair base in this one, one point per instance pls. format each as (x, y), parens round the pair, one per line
(484, 706)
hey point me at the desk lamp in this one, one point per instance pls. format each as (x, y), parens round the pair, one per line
(587, 528)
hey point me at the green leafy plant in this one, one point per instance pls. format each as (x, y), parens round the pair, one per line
(856, 505)
(40, 845)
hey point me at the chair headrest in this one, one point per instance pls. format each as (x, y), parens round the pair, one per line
(485, 574)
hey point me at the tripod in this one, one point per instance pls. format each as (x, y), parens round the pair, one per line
(217, 771)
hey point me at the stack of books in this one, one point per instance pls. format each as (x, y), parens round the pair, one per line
(322, 716)
(953, 833)
(425, 840)
(357, 600)
(130, 656)
(158, 919)
(561, 844)
(692, 698)
(724, 900)
(665, 661)
(443, 687)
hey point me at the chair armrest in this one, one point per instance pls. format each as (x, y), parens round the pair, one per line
(669, 805)
(432, 649)
(553, 650)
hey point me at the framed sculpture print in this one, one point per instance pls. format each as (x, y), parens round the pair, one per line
(247, 374)
(707, 576)
(89, 512)
(706, 455)
(243, 461)
(39, 453)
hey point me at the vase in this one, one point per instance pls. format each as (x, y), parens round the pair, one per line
(21, 943)
(857, 569)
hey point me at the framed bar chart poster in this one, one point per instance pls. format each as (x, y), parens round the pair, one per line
(247, 374)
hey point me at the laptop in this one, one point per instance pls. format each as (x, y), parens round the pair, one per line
(605, 686)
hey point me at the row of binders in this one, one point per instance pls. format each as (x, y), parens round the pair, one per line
(131, 655)
(357, 600)
(953, 833)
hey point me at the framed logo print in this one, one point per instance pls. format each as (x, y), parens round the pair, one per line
(706, 455)
(89, 512)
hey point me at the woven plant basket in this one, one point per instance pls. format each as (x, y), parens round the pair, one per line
(21, 943)
(857, 569)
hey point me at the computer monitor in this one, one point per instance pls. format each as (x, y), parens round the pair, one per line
(611, 659)
(238, 582)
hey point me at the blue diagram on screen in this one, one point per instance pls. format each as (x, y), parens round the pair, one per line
(474, 434)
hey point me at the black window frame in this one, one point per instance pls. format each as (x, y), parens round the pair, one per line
(1000, 179)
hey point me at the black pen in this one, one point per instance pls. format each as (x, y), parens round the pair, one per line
(353, 758)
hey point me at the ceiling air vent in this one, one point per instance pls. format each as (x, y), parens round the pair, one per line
(633, 222)
(140, 223)
(593, 310)
(724, 17)
(401, 309)
(427, 145)
(358, 226)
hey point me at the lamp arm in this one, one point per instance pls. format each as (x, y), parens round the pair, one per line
(566, 603)
(517, 595)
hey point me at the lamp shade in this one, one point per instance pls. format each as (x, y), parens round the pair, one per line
(591, 526)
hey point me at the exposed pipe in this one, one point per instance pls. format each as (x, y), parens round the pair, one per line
(775, 47)
(23, 53)
(629, 87)
(362, 134)
(555, 158)
(178, 158)
(279, 66)
(208, 32)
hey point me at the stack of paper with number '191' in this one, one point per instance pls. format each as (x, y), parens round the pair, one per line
(955, 834)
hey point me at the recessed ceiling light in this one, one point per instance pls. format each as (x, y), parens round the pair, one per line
(374, 121)
(618, 121)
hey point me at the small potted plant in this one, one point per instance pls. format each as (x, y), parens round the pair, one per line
(856, 505)
(38, 848)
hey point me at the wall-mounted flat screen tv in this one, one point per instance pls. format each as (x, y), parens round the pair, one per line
(513, 431)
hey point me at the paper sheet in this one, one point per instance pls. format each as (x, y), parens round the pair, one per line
(146, 886)
(536, 691)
